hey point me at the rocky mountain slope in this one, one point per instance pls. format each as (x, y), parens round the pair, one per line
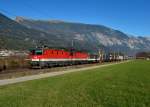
(27, 33)
(94, 34)
(16, 36)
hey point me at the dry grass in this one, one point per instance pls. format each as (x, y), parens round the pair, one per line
(13, 63)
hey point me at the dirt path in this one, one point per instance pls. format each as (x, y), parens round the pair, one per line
(51, 74)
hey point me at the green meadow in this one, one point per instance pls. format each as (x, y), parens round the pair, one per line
(122, 85)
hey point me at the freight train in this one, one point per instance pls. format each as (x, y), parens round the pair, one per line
(45, 57)
(49, 57)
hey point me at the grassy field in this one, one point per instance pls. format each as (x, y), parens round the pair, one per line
(123, 85)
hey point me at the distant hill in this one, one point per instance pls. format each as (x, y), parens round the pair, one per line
(25, 33)
(17, 36)
(94, 34)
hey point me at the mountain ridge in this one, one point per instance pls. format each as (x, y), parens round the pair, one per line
(111, 38)
(17, 36)
(27, 33)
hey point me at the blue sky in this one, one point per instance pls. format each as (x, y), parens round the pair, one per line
(129, 16)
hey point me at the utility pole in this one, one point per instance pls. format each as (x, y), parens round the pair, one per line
(72, 44)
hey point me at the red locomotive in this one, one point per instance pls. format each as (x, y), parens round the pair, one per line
(44, 57)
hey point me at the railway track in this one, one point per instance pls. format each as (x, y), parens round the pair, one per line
(13, 73)
(54, 73)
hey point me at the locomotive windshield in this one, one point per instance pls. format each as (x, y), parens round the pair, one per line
(37, 52)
